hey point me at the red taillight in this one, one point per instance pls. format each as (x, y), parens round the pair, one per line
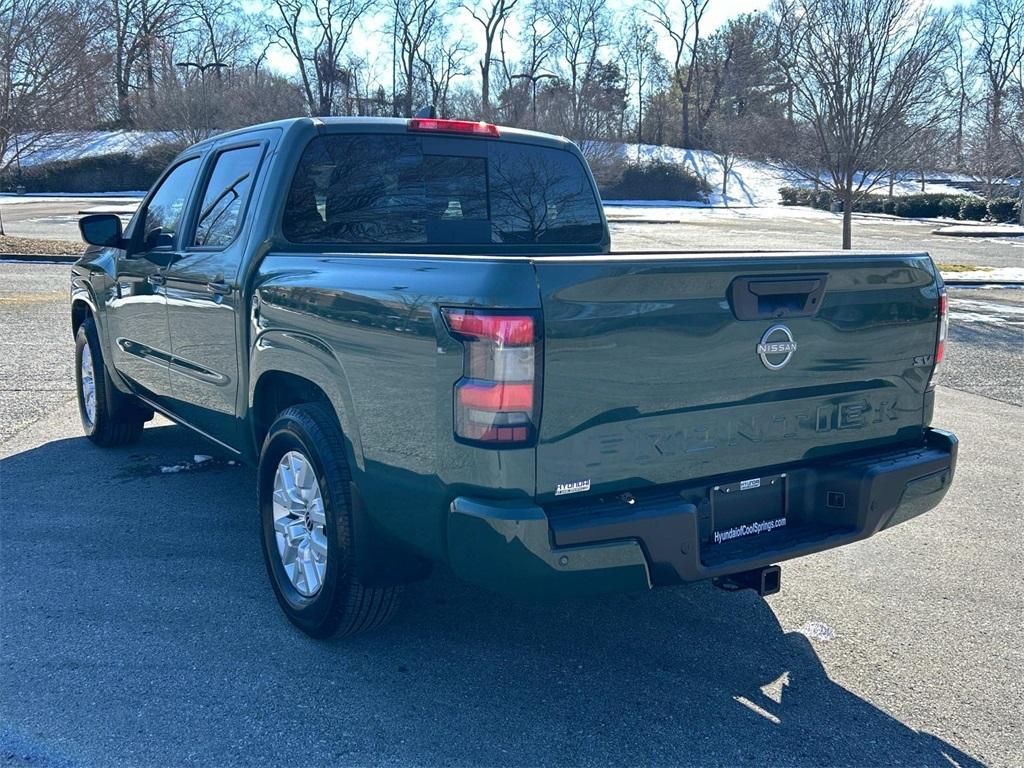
(496, 398)
(940, 342)
(453, 126)
(512, 330)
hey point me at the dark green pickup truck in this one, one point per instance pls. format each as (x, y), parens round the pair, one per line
(417, 331)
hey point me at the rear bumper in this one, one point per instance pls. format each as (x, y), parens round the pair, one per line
(607, 544)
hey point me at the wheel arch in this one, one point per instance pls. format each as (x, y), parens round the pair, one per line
(276, 385)
(82, 308)
(292, 368)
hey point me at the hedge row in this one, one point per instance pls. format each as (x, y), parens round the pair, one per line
(121, 172)
(923, 206)
(656, 180)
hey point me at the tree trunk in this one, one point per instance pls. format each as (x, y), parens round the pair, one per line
(892, 183)
(485, 87)
(847, 198)
(640, 115)
(686, 120)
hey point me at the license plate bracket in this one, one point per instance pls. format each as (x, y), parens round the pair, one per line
(747, 508)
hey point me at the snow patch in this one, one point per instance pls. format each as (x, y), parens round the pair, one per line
(818, 630)
(756, 183)
(73, 145)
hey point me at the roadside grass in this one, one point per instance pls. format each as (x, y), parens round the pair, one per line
(39, 246)
(963, 268)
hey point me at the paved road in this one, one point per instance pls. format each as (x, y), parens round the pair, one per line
(137, 627)
(55, 218)
(676, 228)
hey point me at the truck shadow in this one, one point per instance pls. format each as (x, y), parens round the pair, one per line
(135, 606)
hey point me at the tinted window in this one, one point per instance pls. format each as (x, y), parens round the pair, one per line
(541, 195)
(383, 189)
(168, 202)
(220, 216)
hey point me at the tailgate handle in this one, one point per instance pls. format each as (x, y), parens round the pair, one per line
(766, 298)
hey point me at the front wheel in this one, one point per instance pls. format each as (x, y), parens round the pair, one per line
(306, 527)
(107, 418)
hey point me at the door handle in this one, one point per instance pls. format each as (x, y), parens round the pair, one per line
(219, 288)
(156, 279)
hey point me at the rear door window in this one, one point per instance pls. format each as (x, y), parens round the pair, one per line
(385, 189)
(227, 191)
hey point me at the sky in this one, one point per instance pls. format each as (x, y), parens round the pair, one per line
(367, 45)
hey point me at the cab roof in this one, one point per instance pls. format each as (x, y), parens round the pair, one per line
(380, 125)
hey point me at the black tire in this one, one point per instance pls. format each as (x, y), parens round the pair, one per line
(342, 606)
(117, 420)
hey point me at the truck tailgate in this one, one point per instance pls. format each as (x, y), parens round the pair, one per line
(650, 375)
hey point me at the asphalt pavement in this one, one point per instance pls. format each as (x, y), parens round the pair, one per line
(743, 229)
(137, 626)
(56, 217)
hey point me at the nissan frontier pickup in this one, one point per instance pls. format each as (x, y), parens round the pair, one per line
(418, 333)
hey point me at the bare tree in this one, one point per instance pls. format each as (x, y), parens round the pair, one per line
(492, 15)
(221, 31)
(242, 98)
(47, 54)
(414, 23)
(867, 77)
(443, 61)
(139, 28)
(997, 28)
(961, 87)
(581, 30)
(518, 97)
(680, 20)
(1013, 131)
(640, 58)
(316, 33)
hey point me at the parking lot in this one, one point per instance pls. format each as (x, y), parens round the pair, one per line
(640, 229)
(138, 626)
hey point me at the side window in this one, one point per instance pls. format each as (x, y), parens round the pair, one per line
(227, 191)
(163, 212)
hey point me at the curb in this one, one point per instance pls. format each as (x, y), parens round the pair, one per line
(644, 221)
(954, 283)
(39, 258)
(981, 232)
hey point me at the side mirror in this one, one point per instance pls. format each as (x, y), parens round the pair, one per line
(102, 229)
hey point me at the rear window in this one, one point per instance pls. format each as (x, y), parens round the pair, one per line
(384, 189)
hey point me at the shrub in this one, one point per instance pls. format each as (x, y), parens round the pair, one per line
(823, 200)
(793, 196)
(102, 173)
(1002, 209)
(973, 209)
(870, 204)
(949, 206)
(656, 180)
(889, 206)
(923, 206)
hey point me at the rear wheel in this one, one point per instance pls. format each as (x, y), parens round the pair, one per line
(306, 527)
(108, 418)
